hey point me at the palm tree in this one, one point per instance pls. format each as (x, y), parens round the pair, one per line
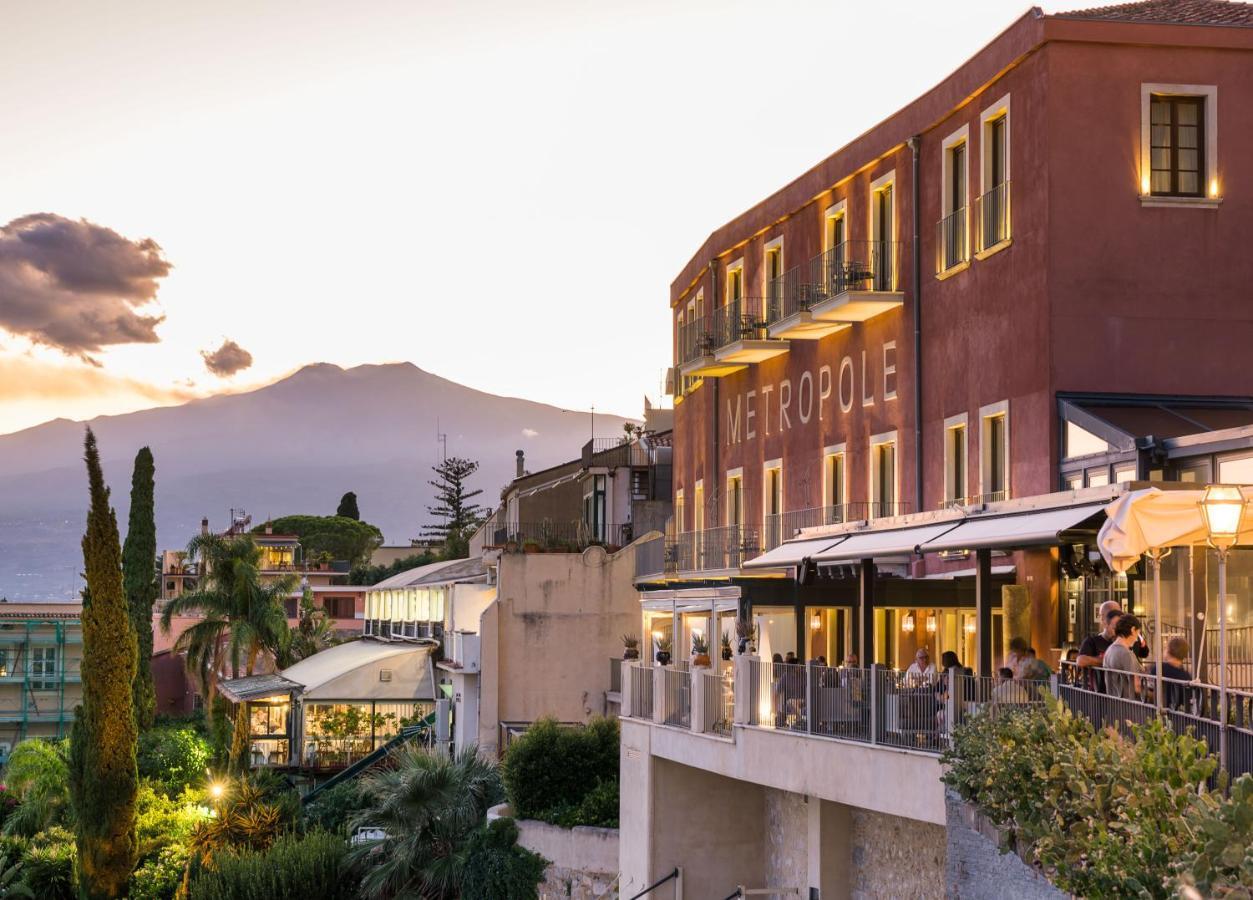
(427, 805)
(39, 775)
(314, 632)
(242, 615)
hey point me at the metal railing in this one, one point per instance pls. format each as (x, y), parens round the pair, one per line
(573, 536)
(650, 558)
(740, 320)
(850, 266)
(407, 629)
(696, 339)
(950, 240)
(676, 697)
(641, 691)
(718, 702)
(615, 674)
(712, 549)
(992, 212)
(785, 526)
(614, 453)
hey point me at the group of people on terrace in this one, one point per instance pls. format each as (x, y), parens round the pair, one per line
(1111, 660)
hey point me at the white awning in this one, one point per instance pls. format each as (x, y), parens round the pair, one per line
(366, 670)
(894, 545)
(1152, 518)
(1038, 528)
(792, 552)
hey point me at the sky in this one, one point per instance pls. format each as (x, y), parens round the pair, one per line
(205, 197)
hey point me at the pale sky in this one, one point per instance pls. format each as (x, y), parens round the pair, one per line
(498, 192)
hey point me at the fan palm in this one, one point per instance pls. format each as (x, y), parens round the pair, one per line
(427, 805)
(242, 616)
(38, 775)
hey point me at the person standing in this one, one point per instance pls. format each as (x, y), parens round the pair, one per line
(1092, 650)
(1119, 658)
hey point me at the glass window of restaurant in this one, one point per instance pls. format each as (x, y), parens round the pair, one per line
(776, 630)
(901, 631)
(267, 730)
(829, 631)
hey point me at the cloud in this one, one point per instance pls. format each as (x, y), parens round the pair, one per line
(530, 432)
(227, 359)
(76, 286)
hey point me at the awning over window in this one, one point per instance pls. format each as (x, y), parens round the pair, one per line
(792, 552)
(891, 546)
(1015, 531)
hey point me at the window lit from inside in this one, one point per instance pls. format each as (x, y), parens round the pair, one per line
(1176, 146)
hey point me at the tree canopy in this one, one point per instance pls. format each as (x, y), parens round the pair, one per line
(457, 515)
(348, 506)
(139, 554)
(339, 536)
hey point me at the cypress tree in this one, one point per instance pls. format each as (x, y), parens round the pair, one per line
(348, 506)
(103, 777)
(138, 575)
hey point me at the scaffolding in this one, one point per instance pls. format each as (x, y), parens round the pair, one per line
(40, 682)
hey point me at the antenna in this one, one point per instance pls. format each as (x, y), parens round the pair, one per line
(593, 424)
(442, 440)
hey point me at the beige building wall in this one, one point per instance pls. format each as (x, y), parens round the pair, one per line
(547, 639)
(38, 702)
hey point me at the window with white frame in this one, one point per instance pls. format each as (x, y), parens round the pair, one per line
(735, 281)
(43, 668)
(883, 475)
(835, 245)
(951, 244)
(772, 275)
(994, 451)
(955, 459)
(1179, 142)
(882, 250)
(735, 497)
(772, 501)
(698, 507)
(994, 193)
(834, 483)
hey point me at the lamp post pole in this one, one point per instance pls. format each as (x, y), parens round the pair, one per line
(1222, 656)
(1155, 556)
(1223, 507)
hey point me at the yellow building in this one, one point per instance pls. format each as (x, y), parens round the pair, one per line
(41, 652)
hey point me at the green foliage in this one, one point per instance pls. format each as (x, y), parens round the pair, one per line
(163, 821)
(240, 615)
(103, 777)
(367, 574)
(139, 579)
(173, 757)
(49, 866)
(332, 809)
(1103, 814)
(1219, 861)
(314, 632)
(496, 868)
(159, 877)
(348, 507)
(250, 815)
(219, 731)
(342, 537)
(457, 515)
(11, 884)
(566, 776)
(296, 868)
(427, 805)
(38, 776)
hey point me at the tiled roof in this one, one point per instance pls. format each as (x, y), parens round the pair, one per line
(41, 610)
(1172, 12)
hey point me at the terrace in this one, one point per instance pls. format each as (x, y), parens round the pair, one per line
(852, 282)
(732, 338)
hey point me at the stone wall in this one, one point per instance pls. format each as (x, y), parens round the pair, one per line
(896, 858)
(976, 869)
(787, 840)
(582, 861)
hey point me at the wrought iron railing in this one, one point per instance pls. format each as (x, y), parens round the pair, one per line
(650, 558)
(743, 319)
(850, 266)
(548, 535)
(992, 213)
(696, 339)
(951, 244)
(712, 549)
(613, 453)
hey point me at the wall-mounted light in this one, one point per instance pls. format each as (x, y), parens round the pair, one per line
(815, 622)
(932, 624)
(907, 623)
(969, 627)
(1213, 187)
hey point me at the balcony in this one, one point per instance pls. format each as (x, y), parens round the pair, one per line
(712, 549)
(650, 559)
(992, 215)
(740, 334)
(614, 453)
(556, 537)
(791, 298)
(697, 346)
(785, 526)
(462, 653)
(859, 281)
(951, 246)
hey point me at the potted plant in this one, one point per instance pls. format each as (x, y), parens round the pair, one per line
(726, 646)
(744, 631)
(663, 651)
(531, 547)
(630, 647)
(324, 560)
(700, 650)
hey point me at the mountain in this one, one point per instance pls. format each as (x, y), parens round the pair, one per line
(294, 446)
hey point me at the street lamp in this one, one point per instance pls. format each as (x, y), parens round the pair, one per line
(1222, 506)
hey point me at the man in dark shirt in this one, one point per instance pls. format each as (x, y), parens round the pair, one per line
(1092, 650)
(1174, 694)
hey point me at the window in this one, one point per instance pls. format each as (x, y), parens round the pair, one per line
(951, 242)
(883, 475)
(4, 664)
(1176, 146)
(773, 274)
(594, 506)
(882, 256)
(698, 508)
(735, 497)
(1236, 469)
(43, 668)
(835, 491)
(1098, 477)
(994, 451)
(955, 460)
(678, 510)
(835, 246)
(993, 205)
(1125, 473)
(735, 281)
(1081, 442)
(1179, 144)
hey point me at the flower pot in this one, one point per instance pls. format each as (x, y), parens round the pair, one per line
(630, 653)
(702, 659)
(663, 658)
(726, 654)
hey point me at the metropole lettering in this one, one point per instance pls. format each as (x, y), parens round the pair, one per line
(813, 395)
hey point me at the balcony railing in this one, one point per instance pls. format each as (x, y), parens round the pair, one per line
(952, 249)
(992, 213)
(718, 706)
(650, 558)
(614, 453)
(403, 629)
(696, 339)
(850, 266)
(743, 319)
(558, 537)
(641, 684)
(712, 549)
(676, 697)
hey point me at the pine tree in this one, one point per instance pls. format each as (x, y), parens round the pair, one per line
(458, 516)
(348, 507)
(103, 777)
(138, 576)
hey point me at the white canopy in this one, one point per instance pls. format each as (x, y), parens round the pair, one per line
(1152, 518)
(1034, 528)
(365, 670)
(895, 545)
(792, 552)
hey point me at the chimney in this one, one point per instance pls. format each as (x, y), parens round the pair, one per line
(204, 525)
(521, 463)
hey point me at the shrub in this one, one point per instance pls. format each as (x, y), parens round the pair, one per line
(1219, 862)
(496, 868)
(294, 868)
(332, 809)
(38, 775)
(48, 867)
(550, 770)
(161, 821)
(173, 757)
(159, 877)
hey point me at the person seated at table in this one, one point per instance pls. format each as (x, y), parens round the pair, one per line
(1174, 695)
(1033, 668)
(1017, 655)
(921, 669)
(1007, 690)
(851, 661)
